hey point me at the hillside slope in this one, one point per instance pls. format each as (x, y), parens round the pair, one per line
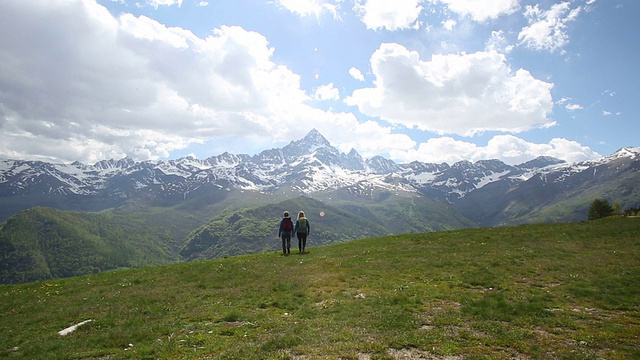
(45, 243)
(528, 292)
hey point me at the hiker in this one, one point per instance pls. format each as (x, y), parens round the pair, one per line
(285, 232)
(302, 230)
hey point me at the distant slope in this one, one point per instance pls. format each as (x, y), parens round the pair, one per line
(574, 205)
(44, 243)
(561, 195)
(255, 230)
(406, 214)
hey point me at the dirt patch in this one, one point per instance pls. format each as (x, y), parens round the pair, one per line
(417, 354)
(433, 310)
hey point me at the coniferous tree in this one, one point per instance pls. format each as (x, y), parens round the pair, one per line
(600, 208)
(617, 208)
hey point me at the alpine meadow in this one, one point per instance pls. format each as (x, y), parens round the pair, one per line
(546, 291)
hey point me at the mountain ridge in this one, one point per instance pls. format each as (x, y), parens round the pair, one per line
(308, 166)
(314, 147)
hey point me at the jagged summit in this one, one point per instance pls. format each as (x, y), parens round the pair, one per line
(310, 143)
(314, 147)
(315, 137)
(115, 164)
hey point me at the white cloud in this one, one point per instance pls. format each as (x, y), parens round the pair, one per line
(86, 86)
(368, 138)
(309, 7)
(508, 148)
(356, 74)
(461, 94)
(389, 15)
(498, 42)
(203, 3)
(547, 29)
(449, 24)
(156, 3)
(327, 92)
(481, 10)
(565, 101)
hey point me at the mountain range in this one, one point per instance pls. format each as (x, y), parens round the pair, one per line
(228, 204)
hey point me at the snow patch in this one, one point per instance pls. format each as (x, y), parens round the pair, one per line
(491, 178)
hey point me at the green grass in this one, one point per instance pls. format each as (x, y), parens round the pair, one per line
(561, 291)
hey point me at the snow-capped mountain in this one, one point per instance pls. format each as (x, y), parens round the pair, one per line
(308, 166)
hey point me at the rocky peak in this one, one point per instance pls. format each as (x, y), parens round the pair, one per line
(540, 162)
(312, 142)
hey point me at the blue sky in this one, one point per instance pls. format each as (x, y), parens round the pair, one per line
(428, 80)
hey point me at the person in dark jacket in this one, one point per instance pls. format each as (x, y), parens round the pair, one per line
(285, 232)
(302, 230)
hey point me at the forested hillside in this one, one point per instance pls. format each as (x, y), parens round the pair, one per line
(44, 243)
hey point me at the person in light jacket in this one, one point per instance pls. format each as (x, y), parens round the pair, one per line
(302, 230)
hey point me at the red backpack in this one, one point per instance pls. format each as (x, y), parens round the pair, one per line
(287, 225)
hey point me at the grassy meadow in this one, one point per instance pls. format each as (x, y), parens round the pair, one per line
(552, 291)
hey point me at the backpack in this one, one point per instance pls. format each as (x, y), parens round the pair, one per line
(287, 225)
(302, 225)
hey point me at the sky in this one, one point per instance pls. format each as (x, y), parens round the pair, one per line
(427, 80)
